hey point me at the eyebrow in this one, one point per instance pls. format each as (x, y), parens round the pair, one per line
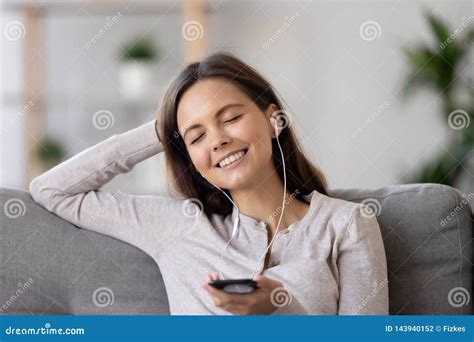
(216, 115)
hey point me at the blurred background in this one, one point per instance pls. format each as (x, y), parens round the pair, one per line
(380, 92)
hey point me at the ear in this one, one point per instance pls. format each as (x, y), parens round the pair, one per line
(271, 109)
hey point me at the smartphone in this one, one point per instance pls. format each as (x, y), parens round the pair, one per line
(235, 285)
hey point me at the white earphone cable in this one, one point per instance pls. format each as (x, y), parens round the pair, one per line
(237, 220)
(283, 204)
(234, 230)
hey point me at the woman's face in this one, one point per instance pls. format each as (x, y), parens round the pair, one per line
(216, 119)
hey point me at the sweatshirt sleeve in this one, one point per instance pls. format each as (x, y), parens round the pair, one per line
(362, 264)
(71, 190)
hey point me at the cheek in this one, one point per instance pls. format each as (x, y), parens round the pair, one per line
(262, 143)
(200, 159)
(263, 150)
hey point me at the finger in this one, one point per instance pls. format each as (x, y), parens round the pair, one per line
(218, 296)
(214, 292)
(266, 283)
(215, 276)
(261, 281)
(235, 298)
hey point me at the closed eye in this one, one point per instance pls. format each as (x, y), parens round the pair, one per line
(231, 120)
(234, 118)
(197, 139)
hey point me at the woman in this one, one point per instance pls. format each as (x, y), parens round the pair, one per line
(318, 256)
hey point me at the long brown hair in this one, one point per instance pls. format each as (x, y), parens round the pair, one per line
(302, 176)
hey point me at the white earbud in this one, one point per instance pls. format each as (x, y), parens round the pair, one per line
(274, 124)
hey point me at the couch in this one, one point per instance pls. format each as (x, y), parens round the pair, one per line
(51, 267)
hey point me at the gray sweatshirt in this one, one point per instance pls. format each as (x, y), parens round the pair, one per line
(331, 262)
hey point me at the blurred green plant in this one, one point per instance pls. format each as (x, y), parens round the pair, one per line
(436, 68)
(141, 49)
(49, 151)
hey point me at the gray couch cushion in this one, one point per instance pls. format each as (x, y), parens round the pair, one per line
(50, 267)
(60, 269)
(427, 255)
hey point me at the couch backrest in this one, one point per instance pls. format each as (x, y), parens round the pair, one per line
(427, 233)
(50, 267)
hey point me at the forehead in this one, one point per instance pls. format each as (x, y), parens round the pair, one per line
(206, 97)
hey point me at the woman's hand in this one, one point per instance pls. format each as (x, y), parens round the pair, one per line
(262, 301)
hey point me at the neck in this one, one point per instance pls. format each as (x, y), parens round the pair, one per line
(264, 202)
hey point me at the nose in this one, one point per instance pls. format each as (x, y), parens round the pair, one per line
(219, 145)
(220, 141)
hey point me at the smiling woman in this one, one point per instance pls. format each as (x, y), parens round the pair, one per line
(219, 128)
(214, 109)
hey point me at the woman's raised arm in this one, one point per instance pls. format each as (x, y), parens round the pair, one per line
(71, 190)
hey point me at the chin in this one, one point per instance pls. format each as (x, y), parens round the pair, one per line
(237, 182)
(234, 179)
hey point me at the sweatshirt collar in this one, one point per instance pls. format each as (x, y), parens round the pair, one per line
(312, 198)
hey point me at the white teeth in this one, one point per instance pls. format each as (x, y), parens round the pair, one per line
(231, 159)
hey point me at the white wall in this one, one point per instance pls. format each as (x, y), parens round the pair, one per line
(11, 134)
(331, 78)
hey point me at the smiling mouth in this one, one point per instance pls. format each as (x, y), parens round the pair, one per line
(245, 150)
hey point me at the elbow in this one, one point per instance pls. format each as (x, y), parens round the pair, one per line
(40, 193)
(50, 197)
(34, 188)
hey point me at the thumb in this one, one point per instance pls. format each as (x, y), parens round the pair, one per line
(261, 280)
